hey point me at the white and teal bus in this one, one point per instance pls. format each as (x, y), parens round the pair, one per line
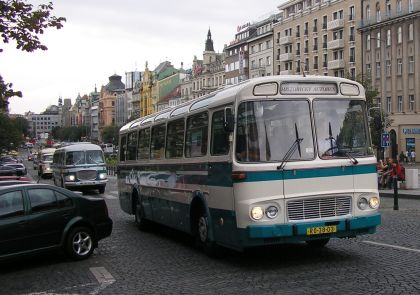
(272, 160)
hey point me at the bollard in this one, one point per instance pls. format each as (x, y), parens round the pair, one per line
(395, 182)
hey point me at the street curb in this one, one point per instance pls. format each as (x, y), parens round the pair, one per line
(401, 196)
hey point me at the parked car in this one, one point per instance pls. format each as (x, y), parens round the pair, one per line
(8, 171)
(18, 166)
(40, 217)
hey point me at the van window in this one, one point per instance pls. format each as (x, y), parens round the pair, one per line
(158, 142)
(219, 137)
(94, 157)
(196, 135)
(143, 149)
(75, 158)
(175, 139)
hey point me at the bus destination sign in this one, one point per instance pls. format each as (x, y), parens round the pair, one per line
(291, 88)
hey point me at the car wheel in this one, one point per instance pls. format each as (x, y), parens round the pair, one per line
(101, 189)
(142, 223)
(79, 244)
(202, 236)
(318, 243)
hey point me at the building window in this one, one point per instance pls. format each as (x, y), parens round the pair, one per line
(410, 6)
(399, 6)
(388, 8)
(388, 104)
(268, 63)
(400, 104)
(368, 13)
(410, 32)
(399, 66)
(388, 38)
(259, 47)
(353, 73)
(388, 68)
(368, 70)
(411, 103)
(368, 42)
(351, 13)
(399, 35)
(352, 54)
(411, 64)
(378, 69)
(378, 40)
(378, 12)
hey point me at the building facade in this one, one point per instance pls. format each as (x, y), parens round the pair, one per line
(391, 52)
(41, 125)
(318, 37)
(107, 100)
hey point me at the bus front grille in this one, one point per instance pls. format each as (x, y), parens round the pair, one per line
(86, 174)
(318, 208)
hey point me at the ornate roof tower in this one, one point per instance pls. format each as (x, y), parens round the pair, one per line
(209, 42)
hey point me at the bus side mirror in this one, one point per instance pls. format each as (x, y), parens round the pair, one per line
(229, 122)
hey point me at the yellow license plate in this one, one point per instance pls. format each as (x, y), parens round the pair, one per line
(319, 230)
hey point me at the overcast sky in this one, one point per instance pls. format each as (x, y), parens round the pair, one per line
(104, 37)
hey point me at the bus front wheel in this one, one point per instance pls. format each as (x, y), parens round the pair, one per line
(142, 223)
(202, 236)
(318, 243)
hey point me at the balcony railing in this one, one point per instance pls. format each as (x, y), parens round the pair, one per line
(286, 56)
(334, 44)
(335, 24)
(336, 64)
(286, 40)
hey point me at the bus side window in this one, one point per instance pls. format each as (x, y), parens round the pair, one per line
(197, 135)
(123, 145)
(157, 144)
(175, 139)
(132, 146)
(143, 150)
(219, 137)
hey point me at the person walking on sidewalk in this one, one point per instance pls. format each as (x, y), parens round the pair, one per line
(413, 156)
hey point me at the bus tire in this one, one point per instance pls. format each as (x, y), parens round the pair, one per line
(209, 247)
(318, 243)
(142, 223)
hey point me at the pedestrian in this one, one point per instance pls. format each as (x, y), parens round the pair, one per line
(407, 155)
(401, 157)
(413, 156)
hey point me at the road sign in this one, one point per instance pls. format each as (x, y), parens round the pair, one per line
(385, 140)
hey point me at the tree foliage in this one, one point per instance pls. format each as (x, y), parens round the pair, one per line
(74, 133)
(12, 131)
(110, 135)
(22, 23)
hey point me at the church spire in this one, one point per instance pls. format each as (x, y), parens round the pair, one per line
(209, 42)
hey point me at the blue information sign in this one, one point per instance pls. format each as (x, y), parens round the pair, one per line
(385, 140)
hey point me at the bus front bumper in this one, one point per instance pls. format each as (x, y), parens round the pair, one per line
(344, 228)
(86, 183)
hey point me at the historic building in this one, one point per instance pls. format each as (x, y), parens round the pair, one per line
(207, 74)
(318, 37)
(261, 48)
(237, 55)
(391, 52)
(146, 93)
(41, 125)
(94, 115)
(107, 99)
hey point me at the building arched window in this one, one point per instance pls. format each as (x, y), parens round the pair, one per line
(368, 13)
(378, 12)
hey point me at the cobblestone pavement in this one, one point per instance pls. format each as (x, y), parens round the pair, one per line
(163, 261)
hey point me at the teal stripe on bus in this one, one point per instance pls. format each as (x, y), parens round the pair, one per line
(308, 173)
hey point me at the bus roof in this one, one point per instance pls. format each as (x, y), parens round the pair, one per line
(80, 147)
(269, 86)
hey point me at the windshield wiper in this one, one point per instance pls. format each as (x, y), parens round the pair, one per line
(292, 149)
(351, 157)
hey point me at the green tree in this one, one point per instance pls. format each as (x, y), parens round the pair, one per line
(10, 135)
(22, 125)
(21, 22)
(110, 134)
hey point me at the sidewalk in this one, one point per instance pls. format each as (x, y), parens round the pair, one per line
(404, 193)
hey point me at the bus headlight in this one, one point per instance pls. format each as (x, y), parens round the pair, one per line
(70, 178)
(271, 212)
(257, 213)
(374, 202)
(362, 203)
(102, 175)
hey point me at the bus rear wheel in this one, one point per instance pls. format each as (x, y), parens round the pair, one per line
(318, 243)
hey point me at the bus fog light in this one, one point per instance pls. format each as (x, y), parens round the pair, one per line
(257, 213)
(362, 203)
(271, 212)
(374, 202)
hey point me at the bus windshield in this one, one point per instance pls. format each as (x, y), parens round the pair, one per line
(47, 158)
(341, 128)
(84, 157)
(266, 130)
